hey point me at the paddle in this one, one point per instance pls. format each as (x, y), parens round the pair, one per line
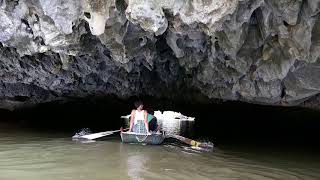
(100, 134)
(192, 142)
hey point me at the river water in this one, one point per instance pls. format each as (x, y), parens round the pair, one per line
(27, 154)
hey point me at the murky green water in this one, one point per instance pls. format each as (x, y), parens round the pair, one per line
(28, 155)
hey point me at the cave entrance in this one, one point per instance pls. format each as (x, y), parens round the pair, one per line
(234, 122)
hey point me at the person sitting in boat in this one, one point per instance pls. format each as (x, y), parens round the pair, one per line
(152, 121)
(138, 119)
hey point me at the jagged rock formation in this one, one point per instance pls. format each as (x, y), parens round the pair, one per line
(260, 51)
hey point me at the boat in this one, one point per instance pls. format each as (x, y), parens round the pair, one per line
(132, 137)
(156, 138)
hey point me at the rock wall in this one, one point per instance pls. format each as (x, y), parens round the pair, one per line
(259, 51)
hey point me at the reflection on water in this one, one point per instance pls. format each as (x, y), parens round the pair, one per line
(170, 126)
(32, 156)
(135, 166)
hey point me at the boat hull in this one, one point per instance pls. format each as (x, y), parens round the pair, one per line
(132, 137)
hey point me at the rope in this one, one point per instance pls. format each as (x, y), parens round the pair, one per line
(139, 140)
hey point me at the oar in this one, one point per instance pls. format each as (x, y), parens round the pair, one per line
(192, 142)
(100, 134)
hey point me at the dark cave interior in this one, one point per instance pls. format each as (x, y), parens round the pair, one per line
(233, 122)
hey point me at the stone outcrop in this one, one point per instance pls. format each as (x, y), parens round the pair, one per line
(259, 51)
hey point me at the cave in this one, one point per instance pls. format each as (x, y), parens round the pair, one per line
(223, 123)
(247, 73)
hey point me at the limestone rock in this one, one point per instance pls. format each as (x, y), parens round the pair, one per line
(147, 14)
(258, 51)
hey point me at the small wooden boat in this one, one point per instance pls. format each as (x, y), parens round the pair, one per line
(132, 137)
